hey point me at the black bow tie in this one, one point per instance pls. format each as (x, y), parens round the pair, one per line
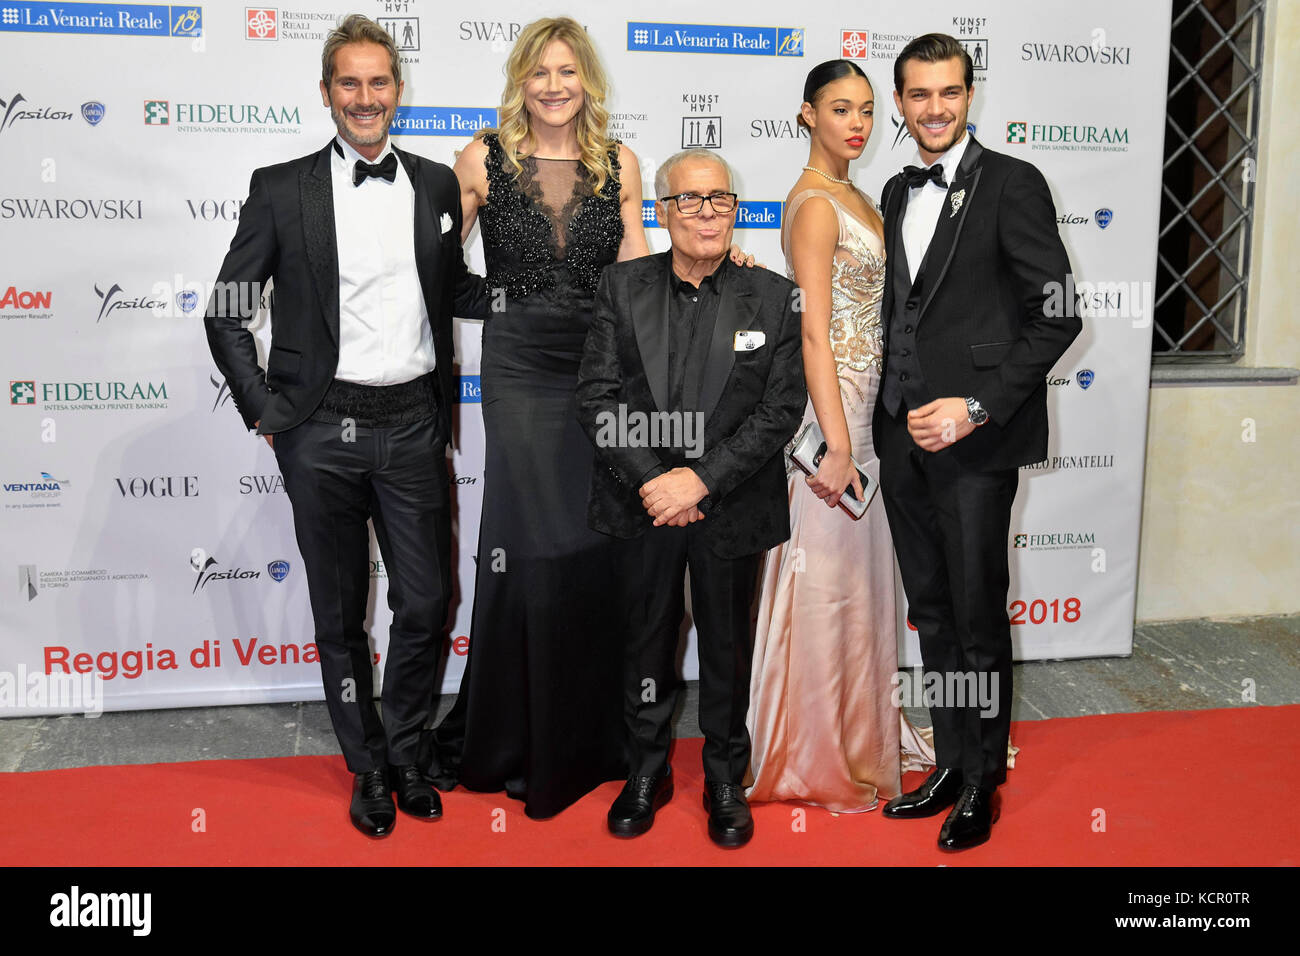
(386, 169)
(917, 176)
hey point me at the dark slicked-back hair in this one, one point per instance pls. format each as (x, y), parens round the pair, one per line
(823, 74)
(933, 48)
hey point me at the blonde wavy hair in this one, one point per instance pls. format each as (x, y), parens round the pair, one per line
(593, 119)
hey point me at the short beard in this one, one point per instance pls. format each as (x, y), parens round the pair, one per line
(340, 123)
(958, 131)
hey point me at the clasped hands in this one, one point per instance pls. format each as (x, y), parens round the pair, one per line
(673, 498)
(940, 423)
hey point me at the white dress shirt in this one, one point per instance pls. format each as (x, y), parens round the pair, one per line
(924, 203)
(384, 335)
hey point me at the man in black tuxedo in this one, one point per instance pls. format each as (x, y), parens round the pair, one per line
(686, 340)
(973, 254)
(362, 242)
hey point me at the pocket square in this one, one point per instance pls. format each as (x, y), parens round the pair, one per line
(747, 340)
(445, 222)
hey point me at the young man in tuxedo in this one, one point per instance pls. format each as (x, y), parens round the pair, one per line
(973, 254)
(362, 243)
(688, 337)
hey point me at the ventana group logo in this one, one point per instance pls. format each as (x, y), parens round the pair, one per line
(102, 19)
(643, 37)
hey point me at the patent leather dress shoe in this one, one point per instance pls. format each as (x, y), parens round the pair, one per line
(971, 819)
(416, 796)
(931, 798)
(633, 813)
(372, 808)
(730, 822)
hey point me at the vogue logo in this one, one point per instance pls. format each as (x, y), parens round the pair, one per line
(159, 486)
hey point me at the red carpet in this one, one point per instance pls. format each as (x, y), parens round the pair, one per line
(1185, 788)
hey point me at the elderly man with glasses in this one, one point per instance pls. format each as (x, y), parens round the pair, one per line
(690, 387)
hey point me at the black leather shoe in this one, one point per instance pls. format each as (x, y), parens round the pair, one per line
(971, 819)
(372, 804)
(936, 795)
(415, 794)
(633, 813)
(730, 822)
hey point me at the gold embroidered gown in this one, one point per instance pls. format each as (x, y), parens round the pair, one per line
(822, 719)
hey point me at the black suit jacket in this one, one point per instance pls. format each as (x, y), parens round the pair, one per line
(286, 233)
(752, 401)
(983, 327)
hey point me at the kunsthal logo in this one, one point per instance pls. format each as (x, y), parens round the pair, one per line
(223, 117)
(90, 396)
(709, 38)
(1068, 137)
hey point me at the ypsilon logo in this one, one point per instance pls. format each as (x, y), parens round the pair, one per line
(107, 19)
(442, 120)
(114, 300)
(279, 570)
(92, 112)
(201, 562)
(1084, 377)
(714, 38)
(13, 114)
(1104, 217)
(223, 392)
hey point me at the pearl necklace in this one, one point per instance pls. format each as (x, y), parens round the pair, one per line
(842, 182)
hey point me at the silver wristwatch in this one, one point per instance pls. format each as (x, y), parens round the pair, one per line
(975, 413)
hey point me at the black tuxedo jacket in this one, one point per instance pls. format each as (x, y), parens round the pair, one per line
(752, 401)
(286, 233)
(982, 326)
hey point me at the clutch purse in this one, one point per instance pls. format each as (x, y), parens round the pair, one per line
(807, 453)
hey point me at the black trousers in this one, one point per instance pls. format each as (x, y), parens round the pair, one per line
(398, 478)
(950, 527)
(722, 590)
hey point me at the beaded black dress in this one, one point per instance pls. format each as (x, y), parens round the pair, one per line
(539, 713)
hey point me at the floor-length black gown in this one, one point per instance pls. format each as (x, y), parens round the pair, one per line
(539, 713)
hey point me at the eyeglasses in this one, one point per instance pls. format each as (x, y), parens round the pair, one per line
(688, 204)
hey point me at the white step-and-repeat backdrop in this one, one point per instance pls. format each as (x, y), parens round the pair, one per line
(145, 536)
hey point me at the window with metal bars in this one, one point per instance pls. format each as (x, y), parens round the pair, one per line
(1206, 211)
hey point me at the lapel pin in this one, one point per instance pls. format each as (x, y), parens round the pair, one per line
(956, 199)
